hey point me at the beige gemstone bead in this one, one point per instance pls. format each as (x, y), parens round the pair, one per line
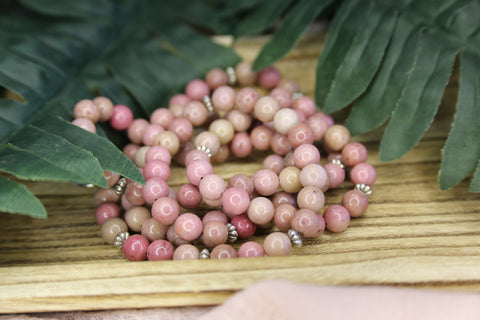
(336, 137)
(290, 179)
(285, 119)
(169, 141)
(265, 109)
(277, 244)
(140, 156)
(111, 228)
(223, 129)
(105, 106)
(240, 121)
(209, 140)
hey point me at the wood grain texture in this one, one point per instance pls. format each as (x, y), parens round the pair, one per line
(412, 235)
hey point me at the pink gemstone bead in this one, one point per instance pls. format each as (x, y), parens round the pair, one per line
(277, 244)
(150, 134)
(246, 99)
(195, 154)
(188, 196)
(85, 124)
(334, 156)
(300, 134)
(261, 210)
(186, 252)
(283, 97)
(136, 129)
(135, 248)
(311, 198)
(223, 251)
(134, 193)
(197, 89)
(306, 222)
(283, 216)
(245, 227)
(241, 121)
(363, 173)
(306, 154)
(306, 105)
(153, 230)
(158, 153)
(282, 197)
(250, 249)
(356, 202)
(315, 175)
(156, 168)
(198, 169)
(196, 113)
(121, 118)
(336, 218)
(241, 146)
(106, 211)
(318, 125)
(154, 189)
(160, 250)
(274, 162)
(235, 201)
(86, 109)
(179, 99)
(354, 153)
(265, 109)
(209, 140)
(188, 226)
(105, 106)
(260, 137)
(215, 216)
(223, 98)
(269, 77)
(214, 233)
(165, 210)
(241, 181)
(111, 178)
(216, 78)
(266, 182)
(173, 237)
(177, 109)
(182, 128)
(280, 144)
(162, 117)
(130, 150)
(336, 175)
(125, 203)
(212, 186)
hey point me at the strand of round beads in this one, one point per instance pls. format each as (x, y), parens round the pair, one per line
(287, 196)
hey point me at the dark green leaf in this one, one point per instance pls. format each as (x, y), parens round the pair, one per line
(16, 198)
(475, 184)
(461, 153)
(294, 25)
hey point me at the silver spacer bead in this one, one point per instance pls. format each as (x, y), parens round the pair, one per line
(297, 95)
(232, 232)
(232, 77)
(120, 239)
(295, 238)
(206, 150)
(208, 103)
(338, 162)
(205, 254)
(364, 188)
(120, 186)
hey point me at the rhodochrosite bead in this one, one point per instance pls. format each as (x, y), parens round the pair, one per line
(135, 248)
(235, 201)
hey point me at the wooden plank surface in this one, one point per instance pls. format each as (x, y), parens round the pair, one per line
(412, 235)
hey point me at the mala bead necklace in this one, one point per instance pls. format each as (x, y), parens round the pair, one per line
(287, 196)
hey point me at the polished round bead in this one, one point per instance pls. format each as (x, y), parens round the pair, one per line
(196, 113)
(215, 216)
(284, 120)
(215, 203)
(155, 188)
(130, 150)
(245, 227)
(314, 175)
(250, 249)
(160, 250)
(305, 105)
(290, 179)
(336, 137)
(165, 210)
(106, 211)
(156, 168)
(280, 144)
(277, 244)
(223, 251)
(212, 186)
(235, 201)
(311, 198)
(135, 248)
(209, 140)
(186, 252)
(196, 154)
(105, 106)
(261, 210)
(336, 218)
(105, 195)
(265, 109)
(188, 196)
(283, 216)
(300, 134)
(198, 169)
(153, 230)
(223, 98)
(179, 99)
(265, 182)
(158, 153)
(121, 118)
(150, 134)
(354, 153)
(197, 89)
(241, 146)
(283, 97)
(282, 197)
(336, 175)
(223, 129)
(306, 222)
(306, 154)
(162, 117)
(134, 217)
(111, 178)
(125, 203)
(136, 129)
(182, 127)
(188, 226)
(241, 121)
(245, 75)
(173, 237)
(134, 193)
(356, 202)
(169, 141)
(269, 77)
(261, 137)
(274, 162)
(86, 109)
(216, 78)
(214, 233)
(85, 124)
(140, 156)
(363, 173)
(241, 181)
(245, 99)
(222, 154)
(177, 109)
(111, 228)
(318, 125)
